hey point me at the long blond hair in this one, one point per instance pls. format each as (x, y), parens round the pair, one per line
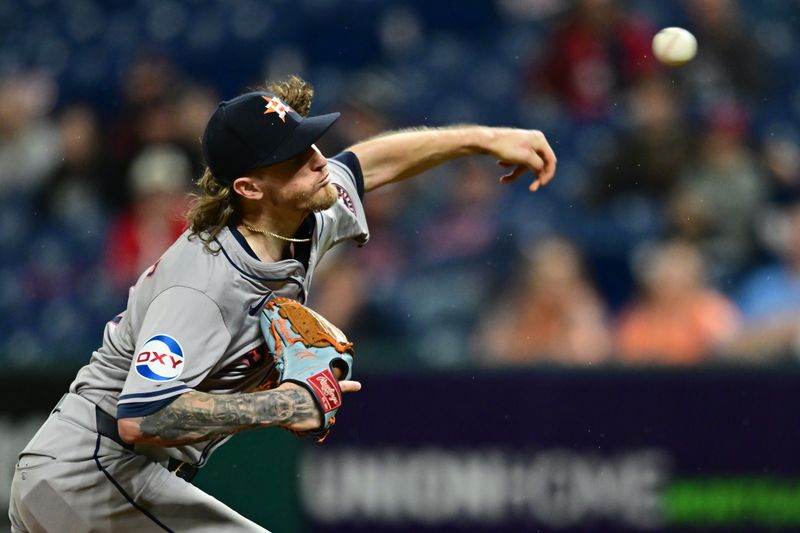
(216, 204)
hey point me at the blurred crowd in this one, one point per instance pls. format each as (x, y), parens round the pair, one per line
(671, 235)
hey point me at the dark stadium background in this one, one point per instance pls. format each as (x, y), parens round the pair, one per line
(634, 322)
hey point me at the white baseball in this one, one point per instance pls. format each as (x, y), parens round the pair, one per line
(674, 46)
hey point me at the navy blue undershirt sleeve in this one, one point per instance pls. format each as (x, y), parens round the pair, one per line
(135, 410)
(350, 160)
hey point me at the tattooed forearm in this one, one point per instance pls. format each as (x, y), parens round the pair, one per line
(197, 416)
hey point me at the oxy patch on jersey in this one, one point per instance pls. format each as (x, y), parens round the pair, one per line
(160, 359)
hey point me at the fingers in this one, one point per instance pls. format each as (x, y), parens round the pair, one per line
(535, 164)
(347, 385)
(548, 158)
(518, 171)
(350, 386)
(542, 160)
(538, 157)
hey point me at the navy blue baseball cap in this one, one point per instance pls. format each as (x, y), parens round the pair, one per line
(257, 129)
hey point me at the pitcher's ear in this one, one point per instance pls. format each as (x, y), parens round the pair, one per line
(248, 187)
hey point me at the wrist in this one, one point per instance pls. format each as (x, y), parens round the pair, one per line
(479, 139)
(290, 406)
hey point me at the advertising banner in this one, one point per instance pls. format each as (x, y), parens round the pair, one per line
(566, 451)
(633, 451)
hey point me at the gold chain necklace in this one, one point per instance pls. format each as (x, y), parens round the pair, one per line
(269, 233)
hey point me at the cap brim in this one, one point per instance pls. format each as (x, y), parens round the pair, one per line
(304, 135)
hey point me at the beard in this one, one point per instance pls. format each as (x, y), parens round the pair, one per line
(323, 199)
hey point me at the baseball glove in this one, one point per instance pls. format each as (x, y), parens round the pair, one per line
(307, 350)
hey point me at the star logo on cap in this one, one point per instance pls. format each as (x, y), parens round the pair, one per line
(276, 106)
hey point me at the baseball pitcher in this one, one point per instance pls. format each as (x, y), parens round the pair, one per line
(215, 339)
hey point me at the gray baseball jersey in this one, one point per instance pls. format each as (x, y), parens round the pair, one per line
(192, 323)
(192, 319)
